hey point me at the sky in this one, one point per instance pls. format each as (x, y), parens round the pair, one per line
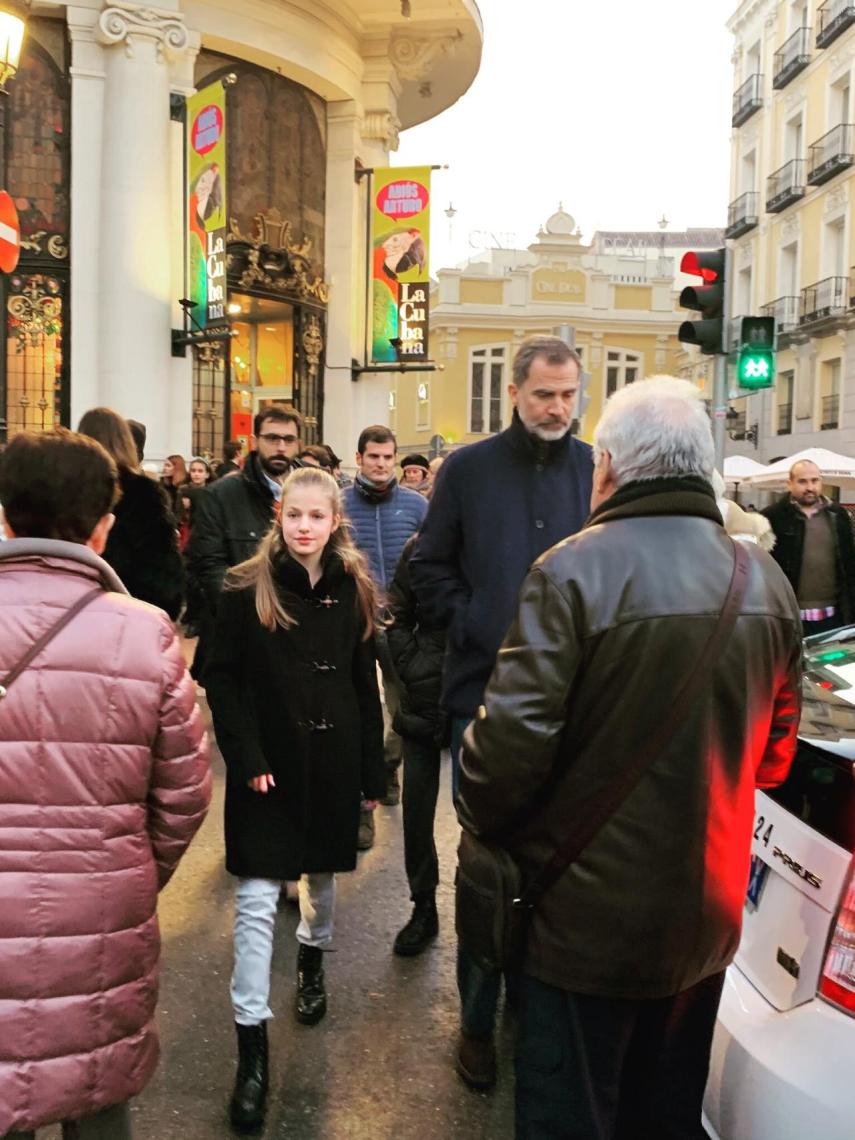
(618, 109)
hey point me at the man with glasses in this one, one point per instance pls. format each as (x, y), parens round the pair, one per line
(233, 515)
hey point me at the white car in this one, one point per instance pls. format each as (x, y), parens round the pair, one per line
(783, 1061)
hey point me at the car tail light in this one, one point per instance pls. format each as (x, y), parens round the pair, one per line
(837, 983)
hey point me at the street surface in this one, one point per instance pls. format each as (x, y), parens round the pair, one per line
(380, 1063)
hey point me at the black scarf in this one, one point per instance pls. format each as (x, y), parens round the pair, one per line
(676, 495)
(373, 492)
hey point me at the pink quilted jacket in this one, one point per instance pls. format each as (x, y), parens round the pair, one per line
(104, 779)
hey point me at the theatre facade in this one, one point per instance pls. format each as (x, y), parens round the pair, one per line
(94, 149)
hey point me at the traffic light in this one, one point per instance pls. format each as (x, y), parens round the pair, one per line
(755, 365)
(706, 299)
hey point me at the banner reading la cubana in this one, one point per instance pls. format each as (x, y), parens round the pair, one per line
(206, 205)
(400, 279)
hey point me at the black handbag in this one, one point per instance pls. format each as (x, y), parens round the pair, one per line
(493, 905)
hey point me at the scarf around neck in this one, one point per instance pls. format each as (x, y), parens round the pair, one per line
(374, 492)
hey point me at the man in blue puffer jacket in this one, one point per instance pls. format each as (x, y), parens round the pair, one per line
(383, 515)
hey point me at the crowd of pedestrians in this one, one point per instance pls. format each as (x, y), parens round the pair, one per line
(531, 605)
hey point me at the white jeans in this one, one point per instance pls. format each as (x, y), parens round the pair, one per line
(255, 918)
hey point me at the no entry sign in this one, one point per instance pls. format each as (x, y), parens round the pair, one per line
(10, 233)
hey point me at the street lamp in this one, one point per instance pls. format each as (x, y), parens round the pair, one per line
(13, 21)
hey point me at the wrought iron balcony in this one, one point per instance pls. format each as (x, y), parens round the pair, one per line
(830, 412)
(791, 57)
(785, 186)
(834, 17)
(785, 419)
(742, 215)
(786, 311)
(747, 99)
(830, 154)
(824, 299)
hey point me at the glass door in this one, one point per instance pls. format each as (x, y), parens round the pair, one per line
(262, 358)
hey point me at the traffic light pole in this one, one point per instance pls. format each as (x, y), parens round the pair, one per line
(720, 405)
(720, 400)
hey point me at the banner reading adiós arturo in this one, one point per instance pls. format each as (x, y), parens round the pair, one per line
(206, 206)
(400, 279)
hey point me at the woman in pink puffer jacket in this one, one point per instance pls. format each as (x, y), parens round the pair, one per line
(104, 780)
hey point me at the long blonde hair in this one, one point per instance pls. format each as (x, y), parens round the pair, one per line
(259, 571)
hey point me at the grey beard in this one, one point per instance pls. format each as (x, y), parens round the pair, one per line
(549, 435)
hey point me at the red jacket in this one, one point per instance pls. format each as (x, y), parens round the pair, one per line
(104, 779)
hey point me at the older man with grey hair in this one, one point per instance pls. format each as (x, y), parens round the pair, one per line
(626, 950)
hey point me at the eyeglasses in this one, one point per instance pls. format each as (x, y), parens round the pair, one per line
(272, 437)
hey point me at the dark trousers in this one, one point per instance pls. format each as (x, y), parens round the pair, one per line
(113, 1123)
(478, 988)
(594, 1068)
(421, 788)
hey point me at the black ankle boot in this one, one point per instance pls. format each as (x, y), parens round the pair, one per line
(248, 1099)
(422, 928)
(311, 995)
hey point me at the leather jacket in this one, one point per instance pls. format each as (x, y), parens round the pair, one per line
(610, 623)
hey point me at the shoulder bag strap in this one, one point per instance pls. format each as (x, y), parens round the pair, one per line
(46, 638)
(629, 777)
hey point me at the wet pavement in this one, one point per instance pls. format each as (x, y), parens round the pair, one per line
(378, 1066)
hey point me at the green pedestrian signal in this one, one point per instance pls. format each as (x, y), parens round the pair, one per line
(755, 364)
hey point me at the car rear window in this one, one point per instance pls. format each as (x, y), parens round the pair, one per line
(820, 790)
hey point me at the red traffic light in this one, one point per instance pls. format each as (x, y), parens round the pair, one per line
(709, 264)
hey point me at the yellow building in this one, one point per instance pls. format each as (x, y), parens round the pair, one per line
(790, 217)
(614, 298)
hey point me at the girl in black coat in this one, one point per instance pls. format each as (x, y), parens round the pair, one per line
(292, 685)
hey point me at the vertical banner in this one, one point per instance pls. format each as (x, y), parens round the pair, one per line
(206, 205)
(400, 278)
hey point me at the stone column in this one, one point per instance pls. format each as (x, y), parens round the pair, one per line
(87, 115)
(135, 248)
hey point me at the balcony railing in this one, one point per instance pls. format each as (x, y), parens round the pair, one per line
(785, 419)
(834, 17)
(830, 154)
(786, 311)
(785, 186)
(830, 412)
(791, 57)
(747, 99)
(824, 299)
(742, 215)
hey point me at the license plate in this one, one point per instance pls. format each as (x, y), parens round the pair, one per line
(758, 876)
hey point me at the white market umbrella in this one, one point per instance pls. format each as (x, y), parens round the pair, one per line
(838, 470)
(738, 468)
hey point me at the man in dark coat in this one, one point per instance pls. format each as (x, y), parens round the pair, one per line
(497, 505)
(234, 514)
(815, 549)
(383, 515)
(626, 952)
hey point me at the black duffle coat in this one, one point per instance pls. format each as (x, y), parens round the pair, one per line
(303, 704)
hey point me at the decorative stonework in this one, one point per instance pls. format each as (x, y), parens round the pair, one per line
(790, 228)
(381, 126)
(122, 23)
(313, 345)
(836, 201)
(414, 58)
(272, 258)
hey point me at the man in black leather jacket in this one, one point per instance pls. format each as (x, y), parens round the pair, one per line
(815, 549)
(626, 951)
(233, 515)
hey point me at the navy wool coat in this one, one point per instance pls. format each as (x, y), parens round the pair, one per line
(497, 505)
(303, 704)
